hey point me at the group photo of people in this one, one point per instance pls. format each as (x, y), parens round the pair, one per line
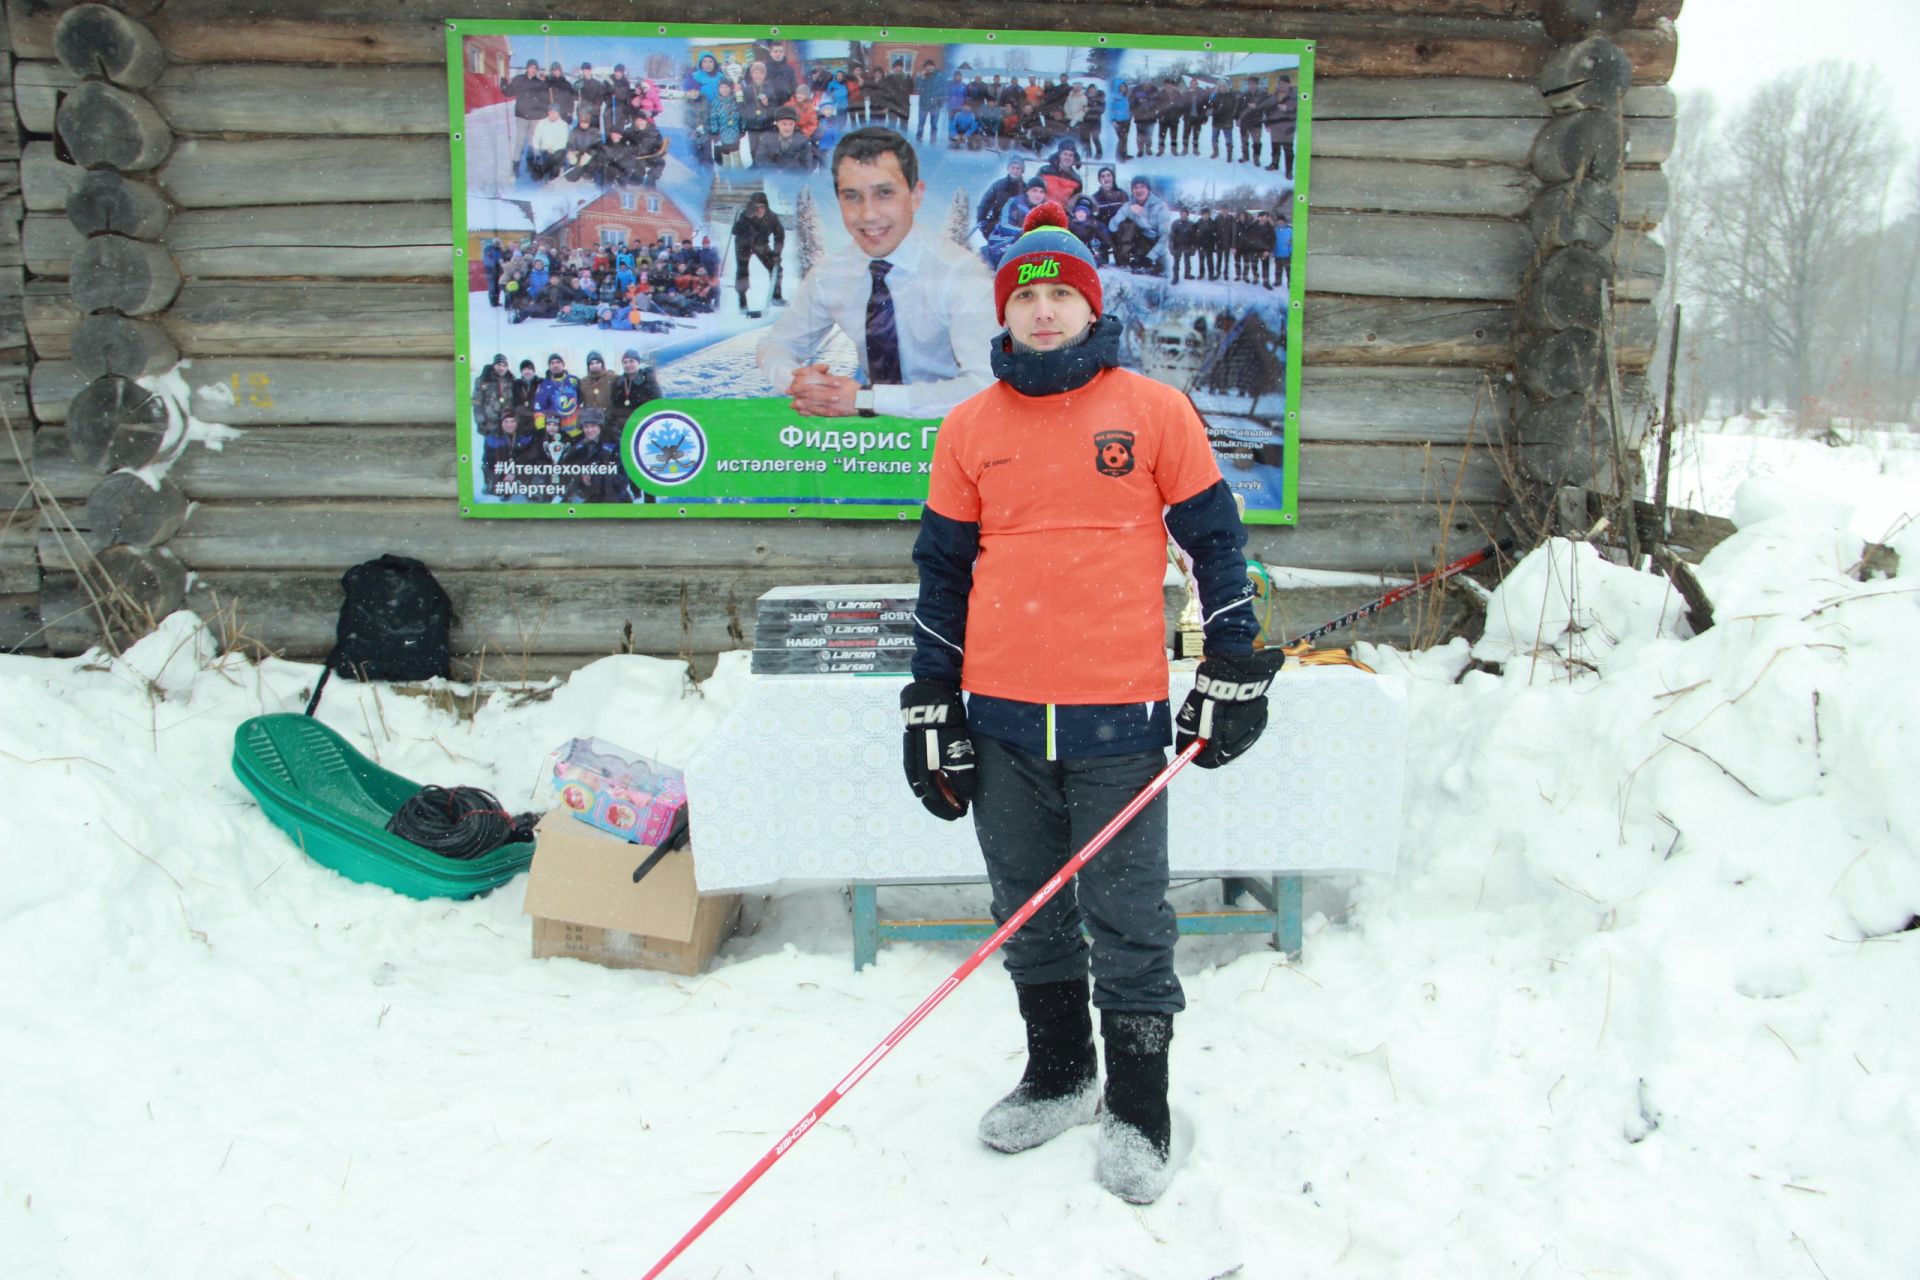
(816, 222)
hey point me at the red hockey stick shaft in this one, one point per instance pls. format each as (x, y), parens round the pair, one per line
(927, 1006)
(1400, 593)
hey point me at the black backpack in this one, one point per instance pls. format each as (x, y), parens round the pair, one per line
(393, 626)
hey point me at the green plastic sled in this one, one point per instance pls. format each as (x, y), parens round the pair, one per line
(334, 803)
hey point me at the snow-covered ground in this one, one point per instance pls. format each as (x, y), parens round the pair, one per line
(1637, 1003)
(1873, 471)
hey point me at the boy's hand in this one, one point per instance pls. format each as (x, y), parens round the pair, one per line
(935, 749)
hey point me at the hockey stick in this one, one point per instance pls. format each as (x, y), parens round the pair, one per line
(927, 1006)
(1398, 594)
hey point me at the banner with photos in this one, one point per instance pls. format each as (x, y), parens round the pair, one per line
(665, 296)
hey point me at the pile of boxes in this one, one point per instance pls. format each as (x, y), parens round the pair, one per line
(609, 885)
(845, 630)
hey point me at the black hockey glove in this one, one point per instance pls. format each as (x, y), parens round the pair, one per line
(1228, 705)
(936, 750)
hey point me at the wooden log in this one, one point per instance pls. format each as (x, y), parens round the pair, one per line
(1591, 75)
(19, 560)
(93, 40)
(104, 203)
(257, 392)
(104, 127)
(1568, 291)
(1583, 145)
(310, 318)
(1640, 268)
(1550, 421)
(1411, 404)
(14, 400)
(333, 320)
(1570, 20)
(1559, 364)
(260, 536)
(115, 423)
(109, 343)
(20, 629)
(125, 508)
(46, 180)
(1413, 98)
(509, 622)
(113, 273)
(313, 318)
(1380, 331)
(48, 242)
(1389, 186)
(1348, 43)
(1368, 254)
(328, 101)
(1574, 213)
(202, 173)
(253, 98)
(1458, 140)
(1644, 196)
(1387, 255)
(208, 174)
(149, 583)
(1565, 443)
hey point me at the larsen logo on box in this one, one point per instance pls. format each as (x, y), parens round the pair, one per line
(1045, 269)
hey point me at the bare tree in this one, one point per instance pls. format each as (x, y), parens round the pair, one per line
(1692, 168)
(1807, 162)
(1906, 368)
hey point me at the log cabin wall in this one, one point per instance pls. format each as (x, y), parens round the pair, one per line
(302, 196)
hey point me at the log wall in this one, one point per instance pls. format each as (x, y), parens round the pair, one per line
(316, 315)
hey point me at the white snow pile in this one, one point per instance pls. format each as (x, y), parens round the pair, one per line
(1638, 1002)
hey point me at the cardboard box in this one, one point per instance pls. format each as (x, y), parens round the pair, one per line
(585, 904)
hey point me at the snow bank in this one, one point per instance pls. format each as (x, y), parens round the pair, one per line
(1637, 1002)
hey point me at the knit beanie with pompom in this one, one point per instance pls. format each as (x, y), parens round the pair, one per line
(1046, 253)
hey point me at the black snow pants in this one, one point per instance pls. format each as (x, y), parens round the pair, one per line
(1031, 815)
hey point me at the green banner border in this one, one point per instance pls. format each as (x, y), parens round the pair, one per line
(456, 101)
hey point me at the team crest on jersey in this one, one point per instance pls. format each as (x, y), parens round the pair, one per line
(1113, 453)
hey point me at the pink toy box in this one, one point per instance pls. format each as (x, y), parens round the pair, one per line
(617, 790)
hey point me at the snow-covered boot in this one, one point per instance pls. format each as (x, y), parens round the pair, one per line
(1136, 1129)
(1059, 1088)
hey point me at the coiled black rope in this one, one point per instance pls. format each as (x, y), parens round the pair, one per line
(459, 822)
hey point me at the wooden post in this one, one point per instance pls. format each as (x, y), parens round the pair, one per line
(1666, 427)
(108, 128)
(93, 40)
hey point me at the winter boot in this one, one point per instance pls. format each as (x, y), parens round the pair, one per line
(1059, 1087)
(1136, 1129)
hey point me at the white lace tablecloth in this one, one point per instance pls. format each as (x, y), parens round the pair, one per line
(802, 783)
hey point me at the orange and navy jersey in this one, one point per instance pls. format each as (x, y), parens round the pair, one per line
(1068, 493)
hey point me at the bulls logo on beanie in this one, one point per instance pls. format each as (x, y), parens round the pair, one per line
(1046, 252)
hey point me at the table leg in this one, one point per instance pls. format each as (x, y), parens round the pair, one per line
(1287, 895)
(866, 925)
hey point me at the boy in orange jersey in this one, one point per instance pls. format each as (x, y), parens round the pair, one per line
(1042, 553)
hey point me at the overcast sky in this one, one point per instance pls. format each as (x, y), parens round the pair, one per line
(1729, 46)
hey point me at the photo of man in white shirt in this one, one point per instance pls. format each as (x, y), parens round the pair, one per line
(917, 306)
